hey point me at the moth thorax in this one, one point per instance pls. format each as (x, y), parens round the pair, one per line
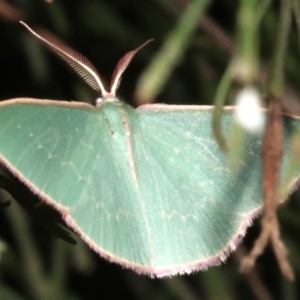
(108, 98)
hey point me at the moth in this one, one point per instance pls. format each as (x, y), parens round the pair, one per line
(148, 187)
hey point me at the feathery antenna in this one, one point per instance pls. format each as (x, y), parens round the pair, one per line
(77, 61)
(122, 65)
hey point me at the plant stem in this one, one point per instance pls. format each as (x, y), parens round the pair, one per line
(276, 80)
(219, 101)
(158, 72)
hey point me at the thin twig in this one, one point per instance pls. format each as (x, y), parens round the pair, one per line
(296, 12)
(253, 279)
(9, 12)
(212, 29)
(272, 154)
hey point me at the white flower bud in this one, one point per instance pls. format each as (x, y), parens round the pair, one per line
(249, 113)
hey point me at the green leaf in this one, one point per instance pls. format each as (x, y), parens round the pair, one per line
(147, 188)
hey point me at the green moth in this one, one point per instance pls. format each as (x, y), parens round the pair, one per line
(147, 188)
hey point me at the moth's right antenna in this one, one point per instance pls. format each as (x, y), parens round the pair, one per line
(121, 67)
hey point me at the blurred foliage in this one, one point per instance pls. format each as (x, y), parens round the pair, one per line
(34, 261)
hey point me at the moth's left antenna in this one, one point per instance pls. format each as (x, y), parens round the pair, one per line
(77, 61)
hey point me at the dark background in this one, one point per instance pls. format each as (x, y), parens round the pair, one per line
(33, 260)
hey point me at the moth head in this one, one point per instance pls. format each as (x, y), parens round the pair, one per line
(87, 70)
